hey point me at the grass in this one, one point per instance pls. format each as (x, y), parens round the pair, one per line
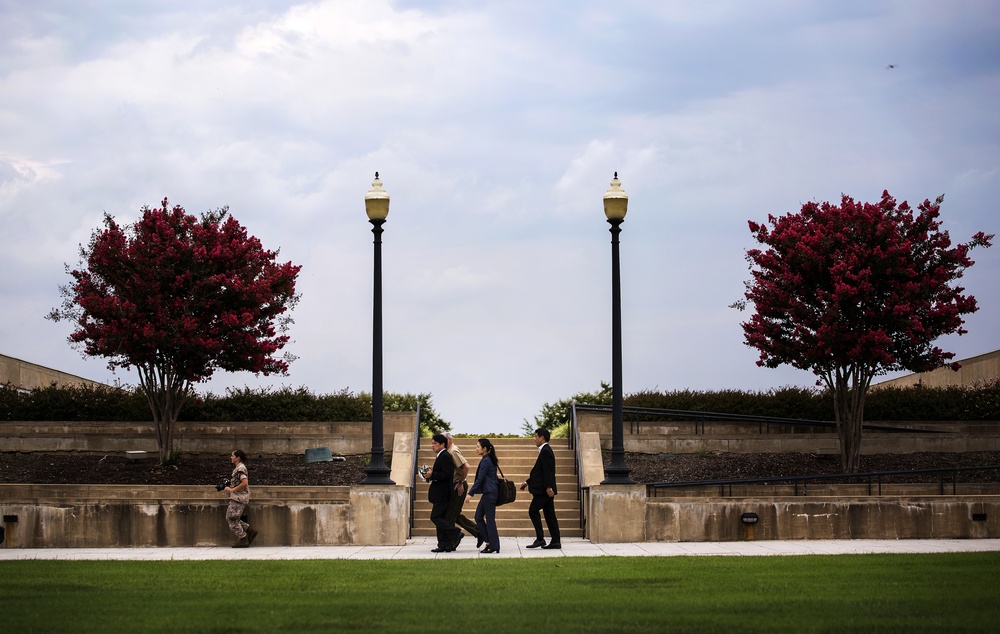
(864, 593)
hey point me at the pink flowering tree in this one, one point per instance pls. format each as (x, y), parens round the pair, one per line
(854, 291)
(177, 297)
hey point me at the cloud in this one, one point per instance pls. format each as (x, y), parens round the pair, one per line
(496, 130)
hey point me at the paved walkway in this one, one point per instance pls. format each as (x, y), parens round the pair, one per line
(516, 547)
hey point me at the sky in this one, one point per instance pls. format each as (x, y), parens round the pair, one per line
(496, 129)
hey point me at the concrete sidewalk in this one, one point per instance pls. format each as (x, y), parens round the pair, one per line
(515, 547)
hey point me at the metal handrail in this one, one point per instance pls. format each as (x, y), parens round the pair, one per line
(762, 421)
(413, 470)
(574, 437)
(819, 476)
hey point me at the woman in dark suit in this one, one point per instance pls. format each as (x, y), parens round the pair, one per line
(486, 483)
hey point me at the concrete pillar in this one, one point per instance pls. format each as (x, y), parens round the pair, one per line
(617, 514)
(380, 514)
(402, 458)
(591, 460)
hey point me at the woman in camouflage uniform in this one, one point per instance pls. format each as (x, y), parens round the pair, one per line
(239, 496)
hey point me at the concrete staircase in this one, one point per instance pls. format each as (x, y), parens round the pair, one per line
(516, 457)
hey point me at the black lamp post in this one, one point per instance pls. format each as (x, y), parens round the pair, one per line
(615, 208)
(377, 208)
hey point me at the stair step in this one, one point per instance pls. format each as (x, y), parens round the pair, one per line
(517, 456)
(513, 532)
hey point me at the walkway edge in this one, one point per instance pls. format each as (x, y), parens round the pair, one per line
(511, 548)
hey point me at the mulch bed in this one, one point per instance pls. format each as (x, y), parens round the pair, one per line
(39, 468)
(649, 468)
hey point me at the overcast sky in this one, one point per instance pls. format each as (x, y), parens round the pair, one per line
(496, 128)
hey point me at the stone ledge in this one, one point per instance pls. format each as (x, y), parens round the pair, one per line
(798, 518)
(101, 516)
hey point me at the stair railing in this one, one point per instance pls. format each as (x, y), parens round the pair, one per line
(574, 439)
(413, 471)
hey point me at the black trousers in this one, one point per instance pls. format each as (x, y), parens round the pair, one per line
(455, 512)
(546, 505)
(447, 534)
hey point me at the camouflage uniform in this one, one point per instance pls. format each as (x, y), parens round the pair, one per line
(237, 502)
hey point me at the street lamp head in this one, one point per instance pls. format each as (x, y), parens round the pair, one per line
(377, 201)
(615, 201)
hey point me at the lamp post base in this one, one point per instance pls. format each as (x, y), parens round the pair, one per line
(378, 472)
(617, 476)
(378, 475)
(617, 472)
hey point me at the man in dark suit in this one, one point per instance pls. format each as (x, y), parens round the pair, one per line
(442, 476)
(541, 483)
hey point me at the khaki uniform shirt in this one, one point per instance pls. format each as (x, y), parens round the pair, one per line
(459, 460)
(243, 495)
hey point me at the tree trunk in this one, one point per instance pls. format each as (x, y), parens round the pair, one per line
(849, 387)
(165, 394)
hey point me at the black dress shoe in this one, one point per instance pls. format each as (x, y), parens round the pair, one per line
(538, 543)
(479, 541)
(552, 546)
(439, 550)
(487, 551)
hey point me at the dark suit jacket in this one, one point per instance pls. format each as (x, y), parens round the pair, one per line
(543, 474)
(486, 478)
(441, 478)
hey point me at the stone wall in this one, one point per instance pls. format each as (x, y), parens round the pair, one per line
(680, 437)
(626, 513)
(939, 517)
(25, 375)
(93, 516)
(978, 369)
(202, 438)
(100, 516)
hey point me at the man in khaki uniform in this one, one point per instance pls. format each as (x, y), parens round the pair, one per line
(461, 488)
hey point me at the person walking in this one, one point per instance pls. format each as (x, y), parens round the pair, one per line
(486, 484)
(541, 483)
(239, 495)
(442, 489)
(461, 489)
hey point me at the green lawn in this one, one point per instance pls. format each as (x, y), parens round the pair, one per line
(868, 593)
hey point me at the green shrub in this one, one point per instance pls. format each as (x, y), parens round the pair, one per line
(786, 402)
(280, 405)
(559, 413)
(430, 422)
(265, 404)
(72, 403)
(980, 402)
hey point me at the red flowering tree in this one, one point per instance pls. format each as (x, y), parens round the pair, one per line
(854, 291)
(177, 297)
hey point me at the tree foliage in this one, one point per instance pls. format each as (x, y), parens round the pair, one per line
(555, 414)
(853, 291)
(178, 297)
(430, 421)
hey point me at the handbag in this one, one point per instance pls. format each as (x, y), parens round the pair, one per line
(506, 491)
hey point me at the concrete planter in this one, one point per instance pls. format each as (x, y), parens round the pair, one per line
(95, 516)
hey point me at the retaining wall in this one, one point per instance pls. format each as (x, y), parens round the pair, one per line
(96, 516)
(255, 438)
(681, 437)
(943, 517)
(625, 513)
(25, 375)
